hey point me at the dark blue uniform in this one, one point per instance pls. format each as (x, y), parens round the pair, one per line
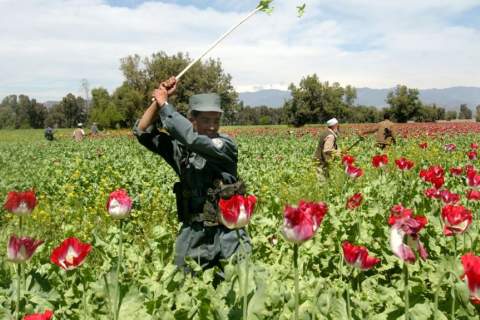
(201, 163)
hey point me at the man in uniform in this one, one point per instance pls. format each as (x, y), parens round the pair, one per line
(327, 149)
(206, 164)
(384, 133)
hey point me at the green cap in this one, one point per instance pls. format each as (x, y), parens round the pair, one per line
(206, 102)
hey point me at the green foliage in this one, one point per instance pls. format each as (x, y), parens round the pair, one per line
(465, 112)
(316, 102)
(430, 113)
(477, 114)
(264, 5)
(103, 110)
(404, 103)
(144, 75)
(73, 181)
(451, 115)
(21, 112)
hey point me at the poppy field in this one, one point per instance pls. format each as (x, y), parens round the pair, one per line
(88, 229)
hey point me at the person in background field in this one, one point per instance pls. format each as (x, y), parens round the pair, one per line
(327, 149)
(206, 164)
(94, 129)
(384, 132)
(49, 133)
(78, 133)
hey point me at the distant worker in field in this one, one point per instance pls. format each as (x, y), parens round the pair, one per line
(78, 133)
(384, 132)
(327, 149)
(49, 133)
(94, 129)
(206, 164)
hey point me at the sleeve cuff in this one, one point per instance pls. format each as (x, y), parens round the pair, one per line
(166, 111)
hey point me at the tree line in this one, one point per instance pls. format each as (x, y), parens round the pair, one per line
(313, 101)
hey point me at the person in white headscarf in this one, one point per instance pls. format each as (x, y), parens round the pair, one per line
(78, 133)
(327, 148)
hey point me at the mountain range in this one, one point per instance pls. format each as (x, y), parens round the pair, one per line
(449, 98)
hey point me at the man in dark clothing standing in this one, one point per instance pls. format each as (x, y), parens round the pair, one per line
(49, 133)
(206, 163)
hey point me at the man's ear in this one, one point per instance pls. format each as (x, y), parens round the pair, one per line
(193, 121)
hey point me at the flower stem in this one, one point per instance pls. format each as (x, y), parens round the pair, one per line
(349, 311)
(437, 292)
(19, 277)
(109, 297)
(406, 288)
(244, 288)
(20, 226)
(295, 267)
(117, 275)
(453, 279)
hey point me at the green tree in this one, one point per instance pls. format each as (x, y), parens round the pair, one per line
(477, 116)
(129, 104)
(430, 113)
(21, 112)
(144, 75)
(404, 103)
(73, 110)
(7, 118)
(103, 110)
(313, 101)
(465, 112)
(451, 115)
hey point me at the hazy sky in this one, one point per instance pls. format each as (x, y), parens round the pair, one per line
(49, 46)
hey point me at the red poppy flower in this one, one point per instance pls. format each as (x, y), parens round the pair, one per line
(236, 211)
(404, 236)
(449, 197)
(456, 171)
(469, 169)
(473, 195)
(379, 161)
(70, 254)
(39, 316)
(20, 203)
(404, 164)
(119, 204)
(434, 175)
(348, 160)
(450, 147)
(353, 172)
(433, 193)
(21, 249)
(300, 223)
(471, 275)
(473, 179)
(354, 201)
(474, 146)
(456, 218)
(357, 256)
(423, 145)
(472, 155)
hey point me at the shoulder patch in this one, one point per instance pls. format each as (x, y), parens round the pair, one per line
(218, 143)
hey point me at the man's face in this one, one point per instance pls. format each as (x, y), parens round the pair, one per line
(335, 127)
(207, 123)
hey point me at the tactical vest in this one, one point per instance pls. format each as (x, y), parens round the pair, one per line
(198, 192)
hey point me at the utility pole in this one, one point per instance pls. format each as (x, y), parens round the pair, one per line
(86, 92)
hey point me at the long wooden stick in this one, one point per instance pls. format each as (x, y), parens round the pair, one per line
(218, 41)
